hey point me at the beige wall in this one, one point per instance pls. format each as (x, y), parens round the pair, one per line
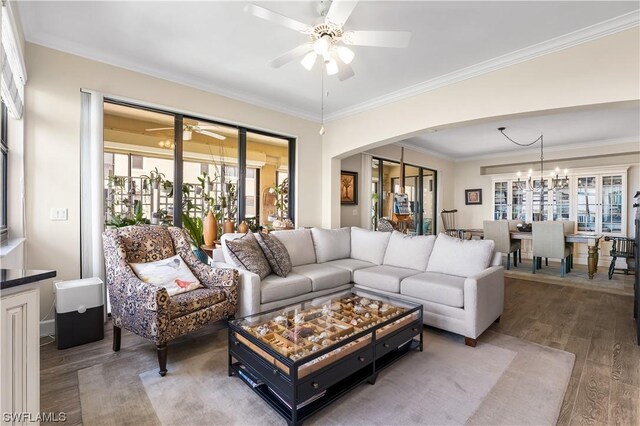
(601, 71)
(52, 145)
(445, 175)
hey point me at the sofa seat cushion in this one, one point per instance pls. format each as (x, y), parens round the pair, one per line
(324, 277)
(185, 303)
(351, 265)
(406, 251)
(274, 288)
(383, 277)
(331, 244)
(435, 287)
(299, 244)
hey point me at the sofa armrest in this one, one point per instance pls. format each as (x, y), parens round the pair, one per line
(483, 299)
(248, 290)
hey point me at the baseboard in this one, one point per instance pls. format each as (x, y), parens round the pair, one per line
(47, 328)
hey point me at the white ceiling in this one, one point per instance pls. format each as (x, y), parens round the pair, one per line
(618, 123)
(216, 46)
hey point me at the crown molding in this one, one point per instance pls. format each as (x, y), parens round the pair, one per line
(558, 148)
(593, 32)
(80, 51)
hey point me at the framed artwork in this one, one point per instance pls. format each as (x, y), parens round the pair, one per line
(473, 196)
(348, 188)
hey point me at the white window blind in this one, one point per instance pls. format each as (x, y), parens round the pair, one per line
(13, 75)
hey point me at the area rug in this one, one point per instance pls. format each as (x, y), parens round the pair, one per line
(504, 380)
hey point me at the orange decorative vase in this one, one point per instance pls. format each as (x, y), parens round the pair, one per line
(243, 228)
(210, 229)
(229, 227)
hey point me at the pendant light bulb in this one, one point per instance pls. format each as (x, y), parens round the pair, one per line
(332, 67)
(345, 54)
(322, 131)
(321, 45)
(309, 60)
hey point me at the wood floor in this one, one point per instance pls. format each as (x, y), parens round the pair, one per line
(597, 327)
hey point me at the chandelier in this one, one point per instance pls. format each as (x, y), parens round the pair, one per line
(555, 181)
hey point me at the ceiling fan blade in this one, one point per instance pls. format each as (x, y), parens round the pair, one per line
(213, 135)
(339, 12)
(206, 126)
(301, 50)
(396, 39)
(344, 70)
(285, 21)
(158, 128)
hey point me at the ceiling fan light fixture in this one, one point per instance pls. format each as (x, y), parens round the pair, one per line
(321, 45)
(345, 54)
(309, 60)
(186, 135)
(332, 67)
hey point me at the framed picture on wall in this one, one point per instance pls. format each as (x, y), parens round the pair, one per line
(348, 188)
(473, 196)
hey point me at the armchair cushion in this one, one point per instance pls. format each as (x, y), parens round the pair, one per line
(171, 273)
(186, 303)
(145, 243)
(247, 254)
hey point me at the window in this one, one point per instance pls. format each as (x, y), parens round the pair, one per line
(225, 168)
(4, 147)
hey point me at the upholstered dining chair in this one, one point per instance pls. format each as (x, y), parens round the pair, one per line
(498, 231)
(387, 225)
(146, 309)
(549, 242)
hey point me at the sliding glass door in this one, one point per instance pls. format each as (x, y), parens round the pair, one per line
(419, 186)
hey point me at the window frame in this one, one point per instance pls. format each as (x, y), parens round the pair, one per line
(4, 148)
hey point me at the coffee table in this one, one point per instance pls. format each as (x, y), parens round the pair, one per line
(301, 358)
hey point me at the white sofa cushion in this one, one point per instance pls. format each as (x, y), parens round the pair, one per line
(323, 277)
(406, 251)
(299, 245)
(274, 287)
(369, 246)
(382, 277)
(463, 258)
(331, 244)
(435, 287)
(350, 265)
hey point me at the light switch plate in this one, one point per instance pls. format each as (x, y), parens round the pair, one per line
(58, 213)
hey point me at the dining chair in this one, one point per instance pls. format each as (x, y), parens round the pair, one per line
(513, 227)
(498, 231)
(549, 242)
(449, 223)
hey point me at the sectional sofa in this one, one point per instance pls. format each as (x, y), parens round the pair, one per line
(460, 283)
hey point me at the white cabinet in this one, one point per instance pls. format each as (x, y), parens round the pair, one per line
(596, 199)
(20, 357)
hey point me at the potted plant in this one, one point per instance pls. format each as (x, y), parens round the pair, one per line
(282, 205)
(230, 204)
(195, 231)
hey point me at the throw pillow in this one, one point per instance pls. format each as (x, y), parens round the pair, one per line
(246, 254)
(331, 244)
(276, 253)
(463, 258)
(171, 273)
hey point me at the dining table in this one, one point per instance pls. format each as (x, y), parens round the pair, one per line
(591, 240)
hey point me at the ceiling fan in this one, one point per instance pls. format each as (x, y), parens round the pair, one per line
(328, 39)
(189, 129)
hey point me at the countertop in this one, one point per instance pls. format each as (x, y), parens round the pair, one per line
(16, 277)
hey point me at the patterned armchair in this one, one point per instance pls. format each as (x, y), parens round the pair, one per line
(146, 309)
